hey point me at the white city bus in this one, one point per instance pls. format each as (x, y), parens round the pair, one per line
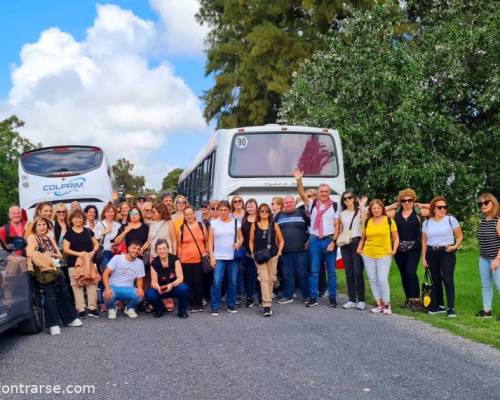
(62, 174)
(258, 162)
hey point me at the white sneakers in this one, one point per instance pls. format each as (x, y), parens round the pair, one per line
(130, 312)
(377, 310)
(349, 304)
(75, 323)
(387, 310)
(361, 305)
(111, 313)
(55, 330)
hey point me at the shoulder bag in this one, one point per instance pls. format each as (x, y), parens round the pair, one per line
(205, 261)
(239, 254)
(264, 255)
(426, 289)
(345, 236)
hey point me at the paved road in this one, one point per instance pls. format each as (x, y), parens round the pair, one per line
(299, 353)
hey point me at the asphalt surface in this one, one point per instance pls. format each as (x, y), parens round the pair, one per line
(299, 353)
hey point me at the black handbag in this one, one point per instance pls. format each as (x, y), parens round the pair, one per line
(264, 255)
(426, 289)
(205, 260)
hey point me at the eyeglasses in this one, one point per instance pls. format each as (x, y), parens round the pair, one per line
(238, 201)
(483, 203)
(265, 211)
(148, 210)
(348, 197)
(407, 201)
(61, 212)
(131, 213)
(180, 202)
(442, 207)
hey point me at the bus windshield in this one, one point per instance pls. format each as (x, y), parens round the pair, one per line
(277, 154)
(57, 161)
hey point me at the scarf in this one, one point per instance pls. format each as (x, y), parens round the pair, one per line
(318, 221)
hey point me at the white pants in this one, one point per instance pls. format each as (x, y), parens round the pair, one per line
(378, 276)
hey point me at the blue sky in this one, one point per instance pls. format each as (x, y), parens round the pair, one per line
(157, 37)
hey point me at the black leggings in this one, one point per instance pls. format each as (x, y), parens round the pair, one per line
(193, 276)
(407, 263)
(353, 266)
(442, 267)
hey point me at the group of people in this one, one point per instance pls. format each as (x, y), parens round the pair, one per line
(148, 254)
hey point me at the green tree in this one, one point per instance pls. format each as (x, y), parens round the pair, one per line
(125, 180)
(403, 116)
(253, 48)
(12, 145)
(169, 183)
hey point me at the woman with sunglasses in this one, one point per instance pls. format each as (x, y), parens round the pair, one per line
(221, 248)
(351, 219)
(488, 237)
(214, 210)
(147, 212)
(263, 231)
(61, 225)
(441, 238)
(250, 268)
(192, 247)
(92, 216)
(134, 230)
(408, 215)
(105, 232)
(80, 241)
(180, 205)
(238, 212)
(379, 242)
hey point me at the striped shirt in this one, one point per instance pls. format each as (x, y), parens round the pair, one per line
(487, 236)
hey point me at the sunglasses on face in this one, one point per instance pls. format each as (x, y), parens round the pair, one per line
(132, 213)
(442, 207)
(264, 211)
(148, 210)
(348, 197)
(238, 201)
(60, 212)
(213, 208)
(483, 203)
(180, 202)
(407, 201)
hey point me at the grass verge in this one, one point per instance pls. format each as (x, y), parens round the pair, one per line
(468, 301)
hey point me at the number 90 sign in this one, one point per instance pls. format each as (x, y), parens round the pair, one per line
(241, 142)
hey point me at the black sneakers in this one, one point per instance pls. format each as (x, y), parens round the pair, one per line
(82, 314)
(484, 314)
(451, 313)
(94, 313)
(267, 312)
(333, 303)
(437, 310)
(312, 303)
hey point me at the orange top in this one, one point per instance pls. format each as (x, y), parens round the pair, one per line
(188, 252)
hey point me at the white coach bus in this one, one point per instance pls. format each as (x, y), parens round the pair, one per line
(258, 162)
(62, 174)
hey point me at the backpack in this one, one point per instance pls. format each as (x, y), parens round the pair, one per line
(389, 221)
(334, 205)
(418, 213)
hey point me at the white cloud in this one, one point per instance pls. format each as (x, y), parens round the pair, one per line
(180, 31)
(102, 90)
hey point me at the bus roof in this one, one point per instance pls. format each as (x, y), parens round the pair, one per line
(61, 147)
(269, 128)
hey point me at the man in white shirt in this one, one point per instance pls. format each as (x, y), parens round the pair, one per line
(323, 232)
(118, 278)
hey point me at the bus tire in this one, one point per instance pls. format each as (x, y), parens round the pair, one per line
(35, 321)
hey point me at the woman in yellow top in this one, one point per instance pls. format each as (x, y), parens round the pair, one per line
(180, 204)
(379, 242)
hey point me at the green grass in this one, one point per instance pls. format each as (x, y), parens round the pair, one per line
(468, 301)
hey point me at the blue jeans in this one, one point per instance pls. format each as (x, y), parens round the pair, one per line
(319, 255)
(127, 294)
(295, 265)
(487, 280)
(232, 268)
(250, 276)
(181, 293)
(241, 278)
